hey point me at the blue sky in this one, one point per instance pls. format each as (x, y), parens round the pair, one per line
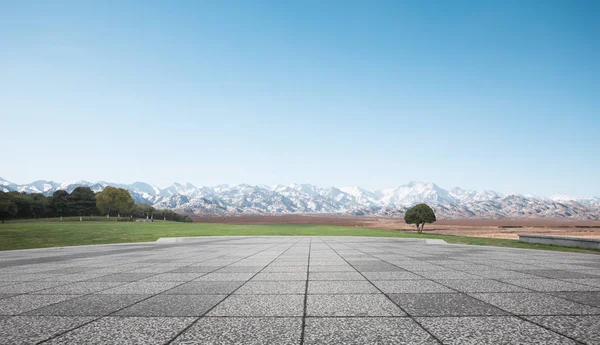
(499, 95)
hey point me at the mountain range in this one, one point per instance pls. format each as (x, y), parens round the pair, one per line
(307, 198)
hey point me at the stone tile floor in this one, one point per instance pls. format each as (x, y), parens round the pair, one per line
(298, 290)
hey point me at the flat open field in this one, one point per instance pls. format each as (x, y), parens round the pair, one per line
(53, 233)
(488, 228)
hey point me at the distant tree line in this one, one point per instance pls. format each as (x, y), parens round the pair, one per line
(81, 202)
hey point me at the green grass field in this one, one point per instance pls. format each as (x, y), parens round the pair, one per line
(54, 233)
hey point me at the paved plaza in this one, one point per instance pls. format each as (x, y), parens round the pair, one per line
(298, 290)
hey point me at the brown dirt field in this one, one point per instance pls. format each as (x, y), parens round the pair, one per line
(491, 228)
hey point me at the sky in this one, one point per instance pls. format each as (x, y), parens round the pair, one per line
(501, 95)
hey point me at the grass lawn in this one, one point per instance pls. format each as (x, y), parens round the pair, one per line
(54, 233)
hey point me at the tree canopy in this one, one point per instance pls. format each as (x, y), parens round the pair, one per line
(82, 201)
(113, 199)
(419, 215)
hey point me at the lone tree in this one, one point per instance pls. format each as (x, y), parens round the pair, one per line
(113, 199)
(419, 215)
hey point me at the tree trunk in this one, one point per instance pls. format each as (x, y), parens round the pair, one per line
(422, 226)
(80, 218)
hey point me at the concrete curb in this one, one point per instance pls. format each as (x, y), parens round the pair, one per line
(579, 242)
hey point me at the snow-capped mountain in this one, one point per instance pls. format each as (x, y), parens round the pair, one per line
(307, 198)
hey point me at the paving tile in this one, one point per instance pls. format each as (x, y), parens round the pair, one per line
(122, 277)
(275, 287)
(335, 276)
(206, 288)
(534, 304)
(240, 269)
(583, 328)
(502, 274)
(79, 288)
(26, 287)
(589, 282)
(449, 275)
(490, 330)
(243, 330)
(358, 331)
(195, 269)
(285, 269)
(23, 303)
(280, 276)
(331, 268)
(396, 275)
(559, 274)
(173, 277)
(90, 305)
(340, 287)
(377, 268)
(480, 285)
(173, 305)
(544, 284)
(260, 305)
(225, 277)
(33, 329)
(125, 331)
(443, 304)
(410, 286)
(352, 305)
(7, 295)
(583, 297)
(144, 288)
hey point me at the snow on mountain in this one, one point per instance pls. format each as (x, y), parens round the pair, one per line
(308, 198)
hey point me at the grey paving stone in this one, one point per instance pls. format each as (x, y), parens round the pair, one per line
(23, 303)
(285, 269)
(67, 270)
(173, 305)
(352, 305)
(90, 305)
(280, 276)
(589, 282)
(502, 274)
(65, 278)
(173, 277)
(490, 330)
(335, 276)
(443, 304)
(583, 297)
(559, 274)
(534, 304)
(206, 288)
(331, 268)
(79, 288)
(544, 284)
(122, 277)
(275, 287)
(358, 331)
(377, 268)
(583, 328)
(243, 330)
(33, 329)
(143, 288)
(410, 286)
(260, 305)
(340, 287)
(125, 331)
(397, 275)
(26, 287)
(480, 285)
(449, 275)
(240, 269)
(225, 277)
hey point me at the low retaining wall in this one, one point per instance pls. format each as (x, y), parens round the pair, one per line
(590, 243)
